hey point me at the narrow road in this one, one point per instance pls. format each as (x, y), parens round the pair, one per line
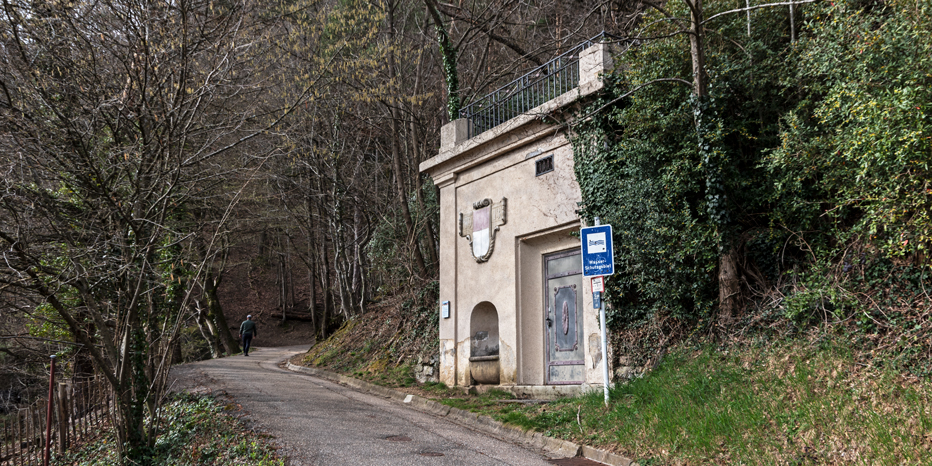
(322, 423)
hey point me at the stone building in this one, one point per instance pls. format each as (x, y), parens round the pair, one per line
(515, 310)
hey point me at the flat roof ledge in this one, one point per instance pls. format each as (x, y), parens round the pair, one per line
(455, 140)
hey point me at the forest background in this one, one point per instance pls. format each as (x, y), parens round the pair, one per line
(766, 168)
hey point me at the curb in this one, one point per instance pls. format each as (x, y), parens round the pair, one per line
(477, 422)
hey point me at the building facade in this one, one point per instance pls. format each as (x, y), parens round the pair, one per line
(515, 310)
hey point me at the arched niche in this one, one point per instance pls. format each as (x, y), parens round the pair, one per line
(484, 344)
(483, 330)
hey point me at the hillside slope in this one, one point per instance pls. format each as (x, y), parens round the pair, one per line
(395, 342)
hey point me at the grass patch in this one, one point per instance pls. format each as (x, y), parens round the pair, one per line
(766, 406)
(784, 404)
(498, 404)
(196, 430)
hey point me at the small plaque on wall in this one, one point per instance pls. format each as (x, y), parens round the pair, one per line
(445, 309)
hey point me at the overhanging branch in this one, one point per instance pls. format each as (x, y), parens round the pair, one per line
(632, 91)
(755, 7)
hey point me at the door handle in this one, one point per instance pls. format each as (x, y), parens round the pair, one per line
(549, 321)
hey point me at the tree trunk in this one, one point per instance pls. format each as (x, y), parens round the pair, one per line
(396, 156)
(326, 295)
(428, 229)
(177, 357)
(207, 330)
(359, 266)
(215, 313)
(448, 59)
(729, 287)
(697, 49)
(312, 261)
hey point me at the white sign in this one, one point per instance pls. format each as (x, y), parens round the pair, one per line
(597, 258)
(598, 284)
(596, 242)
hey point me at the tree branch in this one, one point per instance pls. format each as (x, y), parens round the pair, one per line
(482, 26)
(766, 5)
(632, 91)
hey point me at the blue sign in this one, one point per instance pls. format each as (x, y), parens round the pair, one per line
(597, 257)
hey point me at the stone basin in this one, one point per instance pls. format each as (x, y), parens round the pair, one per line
(485, 369)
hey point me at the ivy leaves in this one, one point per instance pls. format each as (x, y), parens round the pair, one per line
(827, 140)
(868, 141)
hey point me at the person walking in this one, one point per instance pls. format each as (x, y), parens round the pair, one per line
(247, 330)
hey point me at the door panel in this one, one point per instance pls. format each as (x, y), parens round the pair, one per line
(573, 374)
(563, 318)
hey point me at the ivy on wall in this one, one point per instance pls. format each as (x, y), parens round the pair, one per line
(804, 152)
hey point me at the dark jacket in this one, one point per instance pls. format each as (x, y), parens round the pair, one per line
(248, 326)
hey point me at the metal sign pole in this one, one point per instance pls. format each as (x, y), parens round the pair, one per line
(598, 260)
(604, 337)
(604, 350)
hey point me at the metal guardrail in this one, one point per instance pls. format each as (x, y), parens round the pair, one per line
(544, 83)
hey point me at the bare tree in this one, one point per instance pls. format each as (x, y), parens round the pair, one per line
(114, 114)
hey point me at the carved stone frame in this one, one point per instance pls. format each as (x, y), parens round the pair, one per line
(497, 218)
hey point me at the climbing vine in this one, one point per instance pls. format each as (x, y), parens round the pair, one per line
(448, 55)
(448, 58)
(809, 161)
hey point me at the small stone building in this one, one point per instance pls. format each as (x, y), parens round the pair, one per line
(515, 309)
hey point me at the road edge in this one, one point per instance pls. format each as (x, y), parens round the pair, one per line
(482, 423)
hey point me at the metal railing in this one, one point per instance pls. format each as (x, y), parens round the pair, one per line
(540, 85)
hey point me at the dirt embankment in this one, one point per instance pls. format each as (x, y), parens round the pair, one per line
(396, 341)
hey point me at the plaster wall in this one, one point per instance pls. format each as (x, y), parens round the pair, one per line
(448, 236)
(534, 204)
(540, 217)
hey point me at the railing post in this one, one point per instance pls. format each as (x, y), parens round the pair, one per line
(18, 439)
(453, 133)
(594, 62)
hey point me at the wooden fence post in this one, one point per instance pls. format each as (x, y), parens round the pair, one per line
(62, 417)
(38, 431)
(19, 437)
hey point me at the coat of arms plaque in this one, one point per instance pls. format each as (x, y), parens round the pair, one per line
(480, 225)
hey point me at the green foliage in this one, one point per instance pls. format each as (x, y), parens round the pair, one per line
(857, 154)
(787, 403)
(194, 431)
(677, 176)
(817, 299)
(802, 154)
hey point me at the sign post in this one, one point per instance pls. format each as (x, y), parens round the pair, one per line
(598, 261)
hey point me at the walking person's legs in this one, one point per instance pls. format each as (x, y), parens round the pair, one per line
(247, 339)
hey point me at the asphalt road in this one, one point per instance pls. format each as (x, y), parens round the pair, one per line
(322, 423)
